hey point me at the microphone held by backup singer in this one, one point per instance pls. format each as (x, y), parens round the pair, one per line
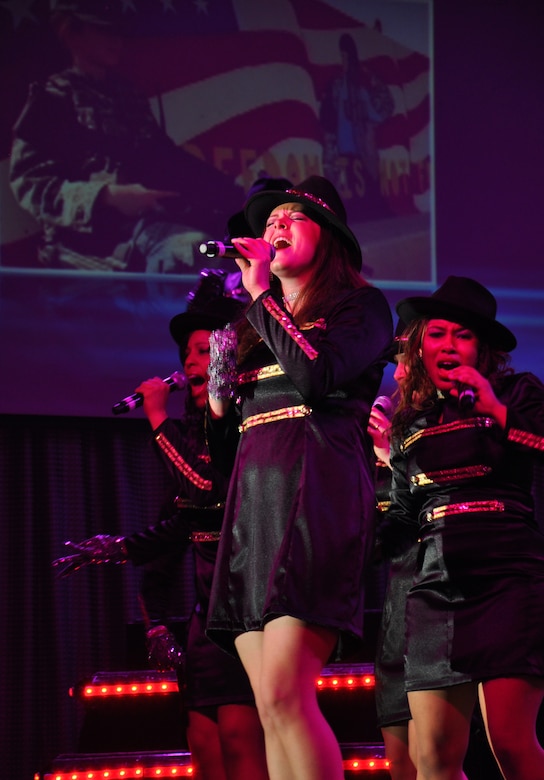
(466, 398)
(176, 381)
(220, 249)
(385, 405)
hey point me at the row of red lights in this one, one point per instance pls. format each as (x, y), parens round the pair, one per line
(135, 689)
(128, 689)
(138, 772)
(121, 773)
(366, 764)
(348, 681)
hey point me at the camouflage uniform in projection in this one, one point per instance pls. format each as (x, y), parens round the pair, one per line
(77, 134)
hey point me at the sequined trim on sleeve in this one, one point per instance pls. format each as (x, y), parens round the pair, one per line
(526, 438)
(205, 536)
(450, 475)
(461, 509)
(439, 430)
(288, 325)
(173, 455)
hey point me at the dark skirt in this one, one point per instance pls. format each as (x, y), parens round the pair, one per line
(213, 677)
(391, 699)
(298, 529)
(476, 608)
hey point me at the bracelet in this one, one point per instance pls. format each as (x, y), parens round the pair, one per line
(222, 373)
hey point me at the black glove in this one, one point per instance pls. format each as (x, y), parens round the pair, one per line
(164, 652)
(97, 549)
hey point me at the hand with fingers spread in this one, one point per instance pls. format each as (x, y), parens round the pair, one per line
(102, 548)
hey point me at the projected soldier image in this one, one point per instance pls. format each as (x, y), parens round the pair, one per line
(92, 165)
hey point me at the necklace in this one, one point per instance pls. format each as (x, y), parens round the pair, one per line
(291, 296)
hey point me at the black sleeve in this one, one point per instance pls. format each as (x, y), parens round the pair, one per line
(161, 538)
(196, 476)
(357, 333)
(398, 527)
(222, 435)
(524, 398)
(157, 586)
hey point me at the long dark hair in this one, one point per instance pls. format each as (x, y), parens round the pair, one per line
(418, 393)
(333, 272)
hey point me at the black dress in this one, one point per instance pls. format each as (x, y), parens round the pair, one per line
(475, 610)
(212, 677)
(401, 556)
(298, 527)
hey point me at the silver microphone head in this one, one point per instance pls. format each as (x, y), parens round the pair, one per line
(385, 405)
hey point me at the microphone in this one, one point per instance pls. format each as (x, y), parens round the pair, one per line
(385, 405)
(220, 249)
(466, 398)
(176, 381)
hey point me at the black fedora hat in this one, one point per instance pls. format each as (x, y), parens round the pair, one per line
(237, 225)
(465, 301)
(320, 200)
(217, 300)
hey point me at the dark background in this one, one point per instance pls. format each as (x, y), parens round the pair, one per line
(71, 476)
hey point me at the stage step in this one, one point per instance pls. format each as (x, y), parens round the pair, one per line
(360, 761)
(127, 711)
(134, 726)
(119, 766)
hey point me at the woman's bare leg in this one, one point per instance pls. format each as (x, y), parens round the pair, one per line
(442, 726)
(396, 741)
(205, 747)
(510, 708)
(242, 742)
(283, 663)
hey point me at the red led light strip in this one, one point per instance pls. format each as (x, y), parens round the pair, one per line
(123, 773)
(343, 682)
(338, 682)
(127, 689)
(366, 764)
(161, 771)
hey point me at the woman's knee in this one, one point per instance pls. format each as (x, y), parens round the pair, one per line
(440, 754)
(202, 739)
(514, 748)
(279, 704)
(238, 723)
